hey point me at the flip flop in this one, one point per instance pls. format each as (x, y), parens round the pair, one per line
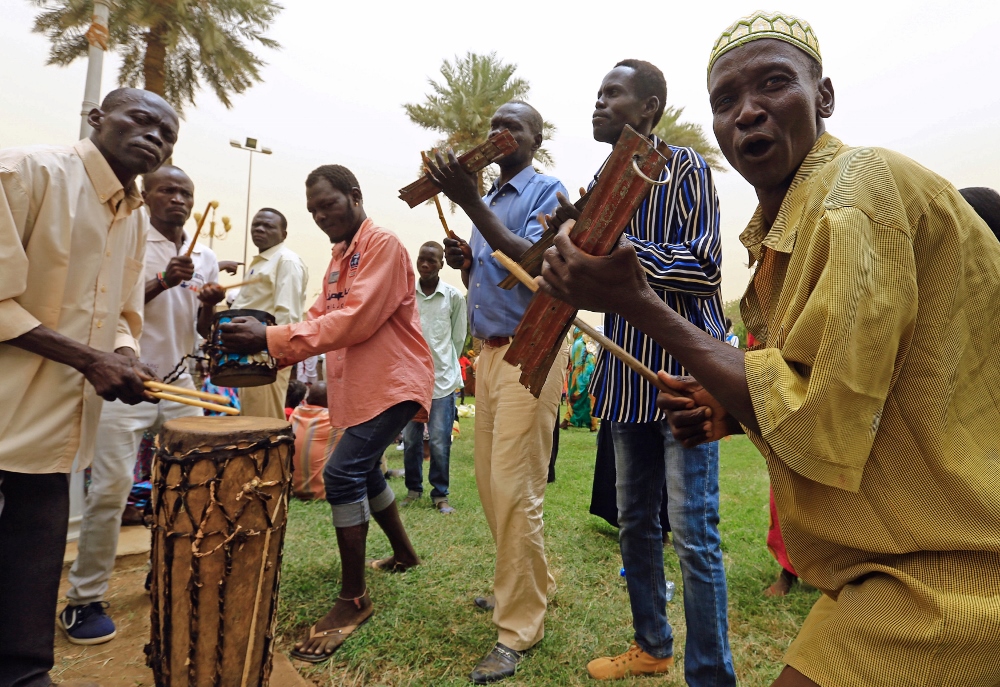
(342, 632)
(382, 565)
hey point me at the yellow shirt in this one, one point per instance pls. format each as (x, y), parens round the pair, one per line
(279, 285)
(71, 252)
(876, 383)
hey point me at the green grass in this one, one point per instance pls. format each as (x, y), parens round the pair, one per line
(426, 630)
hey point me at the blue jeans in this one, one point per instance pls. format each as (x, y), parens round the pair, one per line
(646, 454)
(355, 485)
(442, 418)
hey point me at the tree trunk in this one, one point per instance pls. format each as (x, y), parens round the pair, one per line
(154, 69)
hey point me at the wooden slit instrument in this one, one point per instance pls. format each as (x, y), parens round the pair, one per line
(495, 147)
(170, 388)
(228, 410)
(437, 203)
(211, 205)
(610, 346)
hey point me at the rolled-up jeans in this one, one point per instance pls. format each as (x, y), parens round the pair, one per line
(646, 454)
(442, 419)
(355, 485)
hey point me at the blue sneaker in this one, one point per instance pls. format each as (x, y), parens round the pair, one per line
(87, 624)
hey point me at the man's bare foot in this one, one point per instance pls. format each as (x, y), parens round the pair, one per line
(782, 585)
(332, 629)
(394, 564)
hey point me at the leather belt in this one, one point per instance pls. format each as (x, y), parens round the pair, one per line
(497, 341)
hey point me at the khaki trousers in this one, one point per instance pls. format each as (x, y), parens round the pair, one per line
(268, 400)
(512, 449)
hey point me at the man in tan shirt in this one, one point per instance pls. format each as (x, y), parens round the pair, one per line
(71, 302)
(278, 286)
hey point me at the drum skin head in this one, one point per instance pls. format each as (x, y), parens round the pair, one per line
(185, 433)
(241, 375)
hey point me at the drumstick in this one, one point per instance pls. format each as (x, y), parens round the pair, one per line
(194, 402)
(170, 388)
(612, 348)
(238, 284)
(201, 223)
(437, 203)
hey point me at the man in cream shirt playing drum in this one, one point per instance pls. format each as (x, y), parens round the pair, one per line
(277, 285)
(180, 296)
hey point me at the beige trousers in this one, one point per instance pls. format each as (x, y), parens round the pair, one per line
(513, 443)
(268, 400)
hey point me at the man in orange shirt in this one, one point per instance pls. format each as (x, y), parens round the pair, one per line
(366, 321)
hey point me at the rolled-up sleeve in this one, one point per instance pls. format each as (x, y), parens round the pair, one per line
(381, 285)
(818, 390)
(14, 320)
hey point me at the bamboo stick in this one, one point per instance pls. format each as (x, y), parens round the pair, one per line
(238, 284)
(194, 402)
(609, 345)
(201, 223)
(437, 203)
(170, 388)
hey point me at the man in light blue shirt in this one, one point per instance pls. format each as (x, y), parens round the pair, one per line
(513, 437)
(443, 321)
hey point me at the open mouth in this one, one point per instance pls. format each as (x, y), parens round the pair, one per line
(756, 146)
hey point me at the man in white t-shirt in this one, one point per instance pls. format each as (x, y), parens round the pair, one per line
(181, 293)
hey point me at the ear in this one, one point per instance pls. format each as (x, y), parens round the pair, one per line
(825, 100)
(650, 107)
(356, 196)
(538, 142)
(95, 117)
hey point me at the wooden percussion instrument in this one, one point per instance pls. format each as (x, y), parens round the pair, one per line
(495, 147)
(633, 168)
(220, 501)
(240, 369)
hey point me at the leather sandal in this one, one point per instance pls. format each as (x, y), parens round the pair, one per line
(341, 633)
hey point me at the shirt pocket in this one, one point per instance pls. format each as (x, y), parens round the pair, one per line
(133, 268)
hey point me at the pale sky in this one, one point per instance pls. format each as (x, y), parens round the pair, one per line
(919, 77)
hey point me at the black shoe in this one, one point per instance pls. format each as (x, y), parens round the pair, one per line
(498, 664)
(486, 603)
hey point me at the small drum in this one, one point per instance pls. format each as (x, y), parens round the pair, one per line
(240, 369)
(220, 501)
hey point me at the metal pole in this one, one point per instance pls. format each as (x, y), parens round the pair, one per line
(246, 230)
(97, 38)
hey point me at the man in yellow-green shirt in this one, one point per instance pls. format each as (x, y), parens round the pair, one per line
(872, 392)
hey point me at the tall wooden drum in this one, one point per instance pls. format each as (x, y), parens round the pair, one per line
(220, 500)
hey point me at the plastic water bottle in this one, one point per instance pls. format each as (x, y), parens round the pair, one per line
(670, 589)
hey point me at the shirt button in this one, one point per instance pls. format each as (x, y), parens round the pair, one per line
(477, 307)
(477, 283)
(493, 203)
(104, 289)
(108, 254)
(100, 324)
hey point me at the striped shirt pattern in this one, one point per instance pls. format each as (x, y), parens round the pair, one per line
(676, 236)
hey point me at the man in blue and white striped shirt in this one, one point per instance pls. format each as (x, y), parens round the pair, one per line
(676, 236)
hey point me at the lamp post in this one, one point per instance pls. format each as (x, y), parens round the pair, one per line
(97, 40)
(251, 147)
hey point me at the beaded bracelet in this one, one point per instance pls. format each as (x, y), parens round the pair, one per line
(161, 277)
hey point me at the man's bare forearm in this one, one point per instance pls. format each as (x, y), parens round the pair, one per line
(716, 365)
(493, 230)
(50, 344)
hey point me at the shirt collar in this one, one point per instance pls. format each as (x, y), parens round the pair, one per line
(439, 288)
(781, 235)
(271, 252)
(519, 182)
(154, 236)
(340, 249)
(109, 189)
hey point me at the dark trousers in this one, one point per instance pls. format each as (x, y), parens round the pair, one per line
(34, 514)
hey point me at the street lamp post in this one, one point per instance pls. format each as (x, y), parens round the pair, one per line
(251, 147)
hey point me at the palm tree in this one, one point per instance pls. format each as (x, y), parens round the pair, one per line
(461, 105)
(169, 46)
(688, 135)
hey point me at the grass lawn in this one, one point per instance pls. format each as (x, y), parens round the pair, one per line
(426, 630)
